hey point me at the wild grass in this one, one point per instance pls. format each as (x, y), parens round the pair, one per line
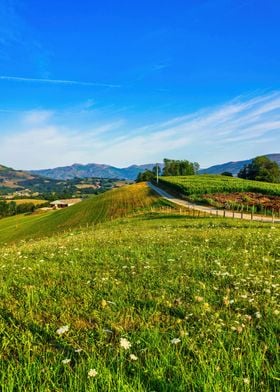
(197, 299)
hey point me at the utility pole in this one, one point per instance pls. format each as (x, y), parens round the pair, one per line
(157, 172)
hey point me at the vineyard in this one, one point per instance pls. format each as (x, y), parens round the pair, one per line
(210, 184)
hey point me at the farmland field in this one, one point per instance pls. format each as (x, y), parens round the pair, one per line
(33, 201)
(143, 301)
(209, 184)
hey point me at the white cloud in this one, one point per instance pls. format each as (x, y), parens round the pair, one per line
(242, 128)
(56, 81)
(34, 117)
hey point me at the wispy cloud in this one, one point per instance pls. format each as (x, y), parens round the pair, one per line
(228, 132)
(242, 128)
(57, 81)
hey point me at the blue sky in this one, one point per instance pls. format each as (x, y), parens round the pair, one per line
(124, 82)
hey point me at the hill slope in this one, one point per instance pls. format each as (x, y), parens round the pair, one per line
(167, 304)
(234, 167)
(94, 170)
(105, 207)
(209, 184)
(11, 178)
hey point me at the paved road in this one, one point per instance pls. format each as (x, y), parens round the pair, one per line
(211, 210)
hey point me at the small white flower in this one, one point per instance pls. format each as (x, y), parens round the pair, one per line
(62, 330)
(65, 361)
(258, 315)
(246, 381)
(124, 343)
(92, 373)
(133, 357)
(175, 341)
(78, 350)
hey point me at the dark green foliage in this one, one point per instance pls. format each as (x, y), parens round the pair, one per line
(11, 208)
(179, 167)
(261, 169)
(227, 174)
(7, 209)
(147, 175)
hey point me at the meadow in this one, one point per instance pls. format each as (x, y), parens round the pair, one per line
(143, 301)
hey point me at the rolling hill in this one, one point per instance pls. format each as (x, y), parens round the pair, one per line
(93, 170)
(105, 207)
(153, 302)
(13, 178)
(234, 167)
(27, 184)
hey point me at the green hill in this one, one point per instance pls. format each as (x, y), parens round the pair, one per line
(107, 206)
(206, 183)
(151, 302)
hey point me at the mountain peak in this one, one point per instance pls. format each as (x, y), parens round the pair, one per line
(94, 170)
(235, 166)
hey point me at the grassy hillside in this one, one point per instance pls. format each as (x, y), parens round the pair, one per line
(110, 205)
(202, 184)
(149, 303)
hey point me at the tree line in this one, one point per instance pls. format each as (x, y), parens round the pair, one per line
(12, 208)
(172, 167)
(260, 169)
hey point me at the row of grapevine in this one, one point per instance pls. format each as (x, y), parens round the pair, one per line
(209, 184)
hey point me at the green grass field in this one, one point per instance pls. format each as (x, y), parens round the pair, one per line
(141, 301)
(110, 205)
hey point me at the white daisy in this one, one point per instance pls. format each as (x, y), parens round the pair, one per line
(62, 330)
(124, 343)
(175, 341)
(92, 373)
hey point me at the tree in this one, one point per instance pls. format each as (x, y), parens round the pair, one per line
(227, 174)
(147, 175)
(261, 169)
(156, 170)
(179, 167)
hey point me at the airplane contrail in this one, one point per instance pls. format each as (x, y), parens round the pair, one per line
(58, 81)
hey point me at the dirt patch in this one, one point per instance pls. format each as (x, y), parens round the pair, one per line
(245, 199)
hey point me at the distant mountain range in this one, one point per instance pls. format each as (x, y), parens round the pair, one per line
(234, 167)
(19, 179)
(94, 170)
(130, 173)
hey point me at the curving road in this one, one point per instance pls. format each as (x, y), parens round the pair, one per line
(212, 210)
